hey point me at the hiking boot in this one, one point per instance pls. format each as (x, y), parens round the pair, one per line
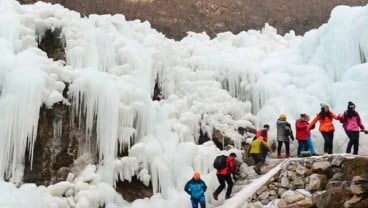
(227, 197)
(279, 157)
(288, 156)
(215, 196)
(258, 171)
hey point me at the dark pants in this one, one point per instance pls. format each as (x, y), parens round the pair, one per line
(229, 181)
(353, 141)
(328, 137)
(264, 154)
(201, 201)
(302, 146)
(258, 160)
(287, 146)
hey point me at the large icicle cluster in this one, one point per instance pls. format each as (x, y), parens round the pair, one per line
(27, 80)
(112, 66)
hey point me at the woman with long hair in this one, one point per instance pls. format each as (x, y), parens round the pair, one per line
(352, 123)
(326, 127)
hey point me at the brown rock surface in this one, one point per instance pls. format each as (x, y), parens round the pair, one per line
(354, 167)
(133, 190)
(175, 17)
(51, 153)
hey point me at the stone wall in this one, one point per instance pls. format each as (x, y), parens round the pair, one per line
(333, 181)
(175, 17)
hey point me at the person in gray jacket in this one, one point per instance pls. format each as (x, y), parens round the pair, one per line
(284, 133)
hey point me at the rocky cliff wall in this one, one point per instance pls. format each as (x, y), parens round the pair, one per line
(331, 181)
(175, 17)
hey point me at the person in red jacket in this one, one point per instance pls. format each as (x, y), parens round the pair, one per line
(264, 134)
(326, 126)
(302, 134)
(224, 175)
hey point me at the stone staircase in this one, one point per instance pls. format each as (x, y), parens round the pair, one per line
(242, 184)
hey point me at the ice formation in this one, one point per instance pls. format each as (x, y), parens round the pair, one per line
(112, 66)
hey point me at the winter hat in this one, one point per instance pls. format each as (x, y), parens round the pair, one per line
(282, 117)
(351, 104)
(323, 105)
(197, 176)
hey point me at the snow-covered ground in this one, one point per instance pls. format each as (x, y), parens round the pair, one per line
(230, 81)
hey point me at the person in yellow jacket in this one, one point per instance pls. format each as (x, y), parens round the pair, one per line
(256, 148)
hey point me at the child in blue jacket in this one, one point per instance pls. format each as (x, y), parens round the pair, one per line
(195, 187)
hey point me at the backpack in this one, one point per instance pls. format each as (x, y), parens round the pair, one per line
(220, 162)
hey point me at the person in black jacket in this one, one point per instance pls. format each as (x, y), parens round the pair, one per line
(196, 188)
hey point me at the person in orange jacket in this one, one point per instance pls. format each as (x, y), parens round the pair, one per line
(326, 126)
(225, 175)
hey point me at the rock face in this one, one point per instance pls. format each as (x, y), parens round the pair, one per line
(58, 147)
(175, 17)
(53, 152)
(57, 142)
(332, 181)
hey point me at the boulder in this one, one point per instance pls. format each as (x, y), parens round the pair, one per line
(330, 172)
(261, 190)
(352, 202)
(359, 185)
(285, 183)
(291, 166)
(273, 186)
(292, 175)
(338, 160)
(337, 177)
(294, 199)
(257, 205)
(301, 170)
(264, 195)
(317, 182)
(355, 166)
(298, 183)
(320, 167)
(336, 193)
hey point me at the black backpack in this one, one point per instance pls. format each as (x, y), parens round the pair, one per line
(220, 162)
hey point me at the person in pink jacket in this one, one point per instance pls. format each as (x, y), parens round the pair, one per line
(352, 123)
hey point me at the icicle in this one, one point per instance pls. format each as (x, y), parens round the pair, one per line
(57, 125)
(20, 104)
(98, 95)
(161, 176)
(126, 168)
